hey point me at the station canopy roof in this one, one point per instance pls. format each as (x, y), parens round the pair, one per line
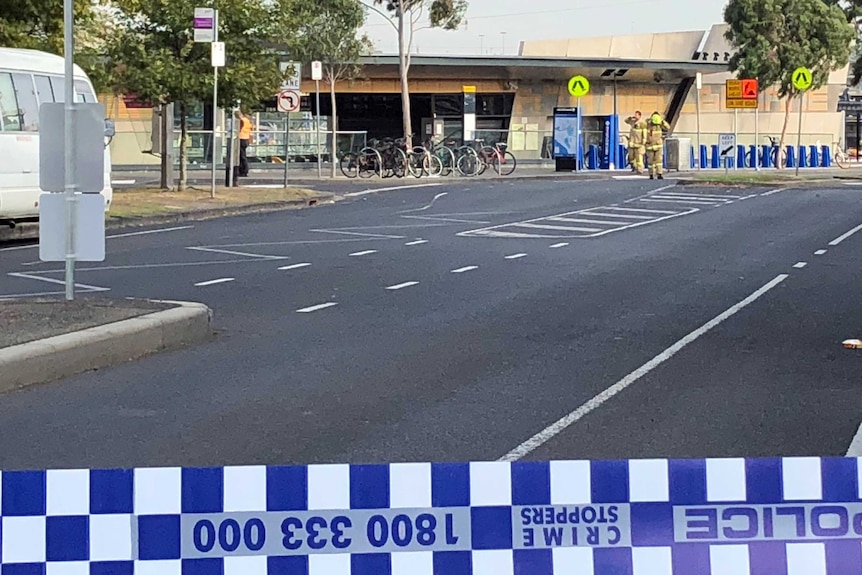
(667, 57)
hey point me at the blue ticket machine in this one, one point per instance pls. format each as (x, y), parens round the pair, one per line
(610, 144)
(568, 140)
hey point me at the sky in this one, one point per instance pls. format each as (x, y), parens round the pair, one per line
(487, 20)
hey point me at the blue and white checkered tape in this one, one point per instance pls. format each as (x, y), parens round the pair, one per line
(634, 517)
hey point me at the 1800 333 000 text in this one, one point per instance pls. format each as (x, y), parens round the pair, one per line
(317, 532)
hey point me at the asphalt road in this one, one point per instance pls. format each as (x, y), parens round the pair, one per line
(474, 321)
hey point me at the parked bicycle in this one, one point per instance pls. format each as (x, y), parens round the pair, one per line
(839, 156)
(776, 153)
(496, 156)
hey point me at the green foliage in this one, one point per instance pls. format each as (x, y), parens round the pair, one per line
(154, 56)
(853, 11)
(327, 31)
(38, 25)
(774, 37)
(444, 14)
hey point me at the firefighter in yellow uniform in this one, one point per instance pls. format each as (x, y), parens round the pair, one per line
(655, 144)
(637, 136)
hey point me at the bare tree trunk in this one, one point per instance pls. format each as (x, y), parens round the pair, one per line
(164, 143)
(182, 155)
(403, 64)
(787, 107)
(333, 156)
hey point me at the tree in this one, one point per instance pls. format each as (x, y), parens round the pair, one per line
(774, 37)
(328, 32)
(405, 16)
(38, 25)
(154, 55)
(853, 10)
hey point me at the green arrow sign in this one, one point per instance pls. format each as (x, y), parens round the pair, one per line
(801, 78)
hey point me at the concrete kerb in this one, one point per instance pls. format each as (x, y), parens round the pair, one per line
(97, 347)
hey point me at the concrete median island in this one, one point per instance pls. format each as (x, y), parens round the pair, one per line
(44, 340)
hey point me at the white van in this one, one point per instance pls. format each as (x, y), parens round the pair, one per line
(29, 78)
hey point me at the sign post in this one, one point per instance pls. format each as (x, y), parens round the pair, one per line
(579, 86)
(317, 75)
(743, 95)
(70, 180)
(288, 101)
(726, 145)
(698, 83)
(206, 30)
(802, 79)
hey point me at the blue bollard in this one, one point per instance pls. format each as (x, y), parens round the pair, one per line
(593, 157)
(791, 157)
(813, 157)
(803, 157)
(702, 157)
(752, 156)
(691, 157)
(716, 160)
(741, 160)
(766, 156)
(623, 155)
(825, 157)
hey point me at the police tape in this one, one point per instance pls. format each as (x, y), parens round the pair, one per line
(706, 516)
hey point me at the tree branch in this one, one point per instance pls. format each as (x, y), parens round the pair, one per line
(385, 17)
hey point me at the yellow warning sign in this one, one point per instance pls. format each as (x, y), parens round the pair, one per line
(733, 89)
(802, 78)
(579, 86)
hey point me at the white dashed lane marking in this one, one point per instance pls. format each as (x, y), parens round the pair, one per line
(515, 256)
(316, 307)
(819, 252)
(214, 282)
(465, 269)
(295, 266)
(416, 243)
(559, 245)
(800, 265)
(365, 253)
(402, 286)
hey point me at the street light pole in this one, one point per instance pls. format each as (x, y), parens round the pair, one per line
(68, 144)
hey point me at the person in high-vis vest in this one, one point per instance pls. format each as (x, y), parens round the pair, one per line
(656, 128)
(245, 128)
(637, 136)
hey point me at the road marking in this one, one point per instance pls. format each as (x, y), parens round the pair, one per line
(416, 242)
(748, 197)
(843, 237)
(660, 200)
(452, 220)
(234, 253)
(800, 265)
(627, 216)
(705, 196)
(392, 189)
(564, 228)
(583, 221)
(465, 269)
(316, 307)
(638, 210)
(402, 286)
(214, 282)
(122, 182)
(770, 192)
(667, 187)
(515, 256)
(152, 266)
(425, 207)
(364, 253)
(56, 281)
(585, 409)
(375, 236)
(559, 245)
(294, 266)
(147, 232)
(819, 252)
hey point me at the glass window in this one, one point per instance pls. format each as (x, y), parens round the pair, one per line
(10, 121)
(44, 90)
(448, 104)
(83, 92)
(58, 89)
(28, 105)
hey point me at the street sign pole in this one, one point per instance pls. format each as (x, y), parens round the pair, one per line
(699, 86)
(735, 137)
(578, 136)
(286, 146)
(757, 134)
(69, 143)
(799, 133)
(317, 106)
(215, 111)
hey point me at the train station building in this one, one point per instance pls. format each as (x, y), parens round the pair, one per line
(516, 96)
